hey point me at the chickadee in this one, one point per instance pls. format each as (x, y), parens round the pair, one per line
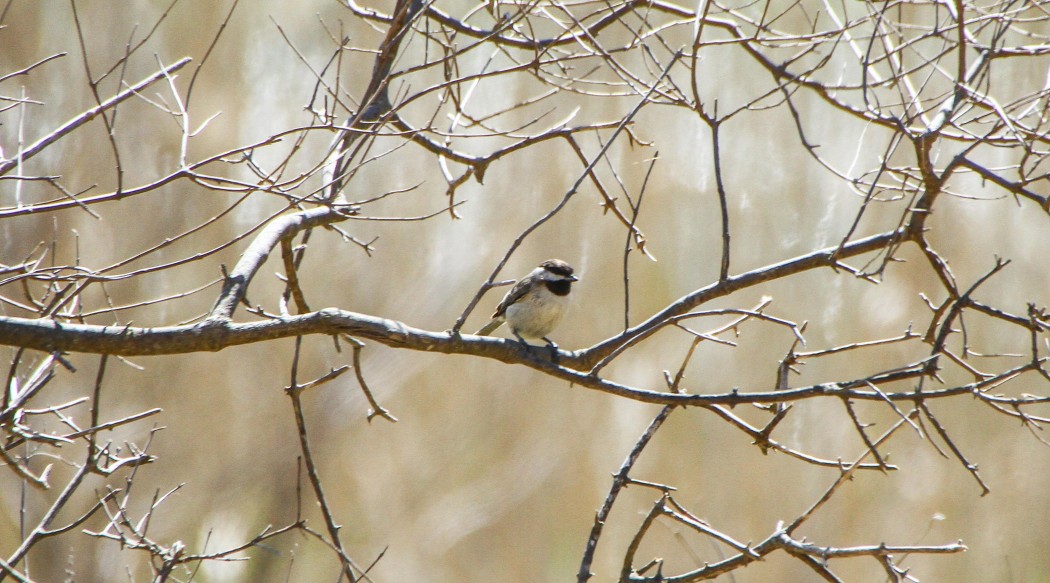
(536, 303)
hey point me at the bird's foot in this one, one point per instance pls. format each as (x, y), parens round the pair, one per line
(553, 348)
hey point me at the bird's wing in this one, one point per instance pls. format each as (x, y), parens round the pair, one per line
(512, 296)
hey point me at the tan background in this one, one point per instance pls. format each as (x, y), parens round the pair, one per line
(494, 472)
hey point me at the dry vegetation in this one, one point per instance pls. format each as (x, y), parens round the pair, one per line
(244, 246)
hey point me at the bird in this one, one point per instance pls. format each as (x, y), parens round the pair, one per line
(536, 303)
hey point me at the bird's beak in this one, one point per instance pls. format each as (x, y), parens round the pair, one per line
(572, 278)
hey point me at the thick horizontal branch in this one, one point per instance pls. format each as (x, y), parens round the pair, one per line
(213, 335)
(218, 331)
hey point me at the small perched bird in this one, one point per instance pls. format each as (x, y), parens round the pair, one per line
(536, 303)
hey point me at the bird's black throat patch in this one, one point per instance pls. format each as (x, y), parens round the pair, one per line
(560, 287)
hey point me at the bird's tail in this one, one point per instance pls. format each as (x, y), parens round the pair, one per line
(490, 327)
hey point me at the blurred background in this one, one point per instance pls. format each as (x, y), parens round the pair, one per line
(494, 472)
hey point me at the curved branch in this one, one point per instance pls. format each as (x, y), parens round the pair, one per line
(236, 282)
(821, 258)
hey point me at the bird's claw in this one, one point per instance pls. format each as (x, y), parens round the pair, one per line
(554, 350)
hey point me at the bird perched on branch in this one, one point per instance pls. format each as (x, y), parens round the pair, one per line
(536, 303)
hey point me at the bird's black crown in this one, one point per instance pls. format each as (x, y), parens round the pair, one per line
(557, 267)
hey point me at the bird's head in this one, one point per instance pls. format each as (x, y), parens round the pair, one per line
(556, 270)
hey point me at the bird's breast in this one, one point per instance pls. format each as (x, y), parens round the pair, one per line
(537, 315)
